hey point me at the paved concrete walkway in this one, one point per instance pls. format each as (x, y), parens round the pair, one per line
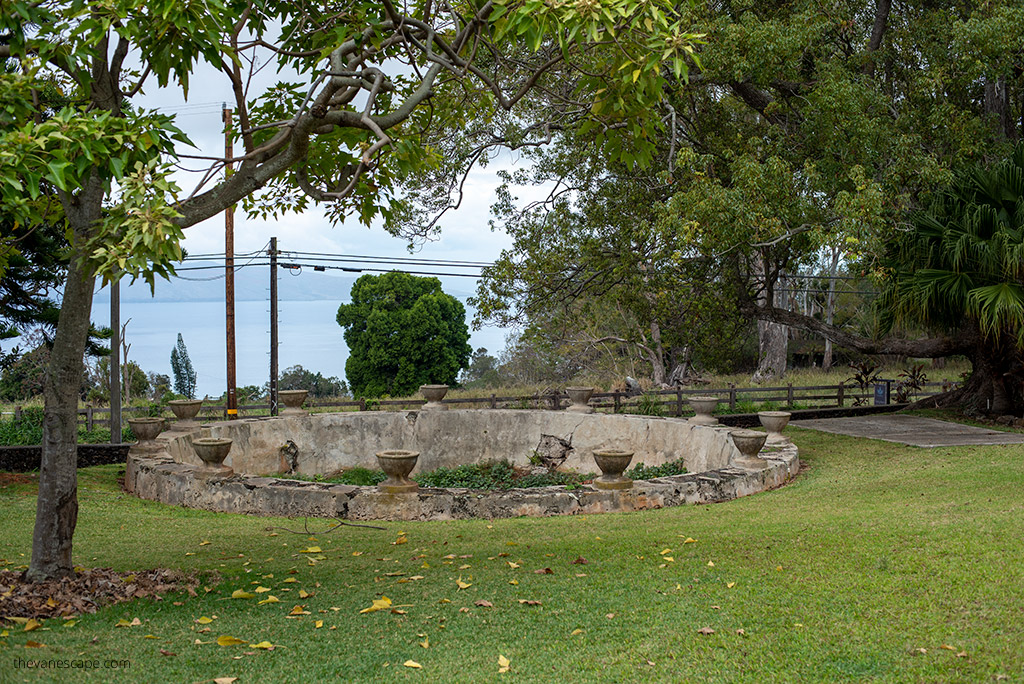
(912, 430)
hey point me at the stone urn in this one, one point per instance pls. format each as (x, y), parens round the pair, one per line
(580, 398)
(749, 443)
(703, 407)
(397, 464)
(292, 400)
(612, 463)
(433, 394)
(185, 410)
(212, 451)
(146, 429)
(774, 422)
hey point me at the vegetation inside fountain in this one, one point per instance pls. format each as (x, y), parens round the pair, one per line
(493, 475)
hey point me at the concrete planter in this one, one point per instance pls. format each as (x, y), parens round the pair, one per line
(704, 407)
(774, 422)
(397, 465)
(147, 430)
(580, 398)
(749, 443)
(613, 463)
(212, 451)
(185, 410)
(433, 394)
(292, 400)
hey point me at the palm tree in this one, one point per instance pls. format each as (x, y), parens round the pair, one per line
(961, 269)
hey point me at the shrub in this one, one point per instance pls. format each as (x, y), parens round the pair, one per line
(644, 472)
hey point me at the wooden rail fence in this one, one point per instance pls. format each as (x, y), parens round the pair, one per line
(671, 402)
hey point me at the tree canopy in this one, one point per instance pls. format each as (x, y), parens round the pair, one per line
(402, 331)
(810, 127)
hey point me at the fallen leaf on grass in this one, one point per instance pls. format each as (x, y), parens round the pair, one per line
(383, 603)
(204, 620)
(167, 653)
(34, 644)
(463, 610)
(580, 560)
(705, 630)
(226, 680)
(265, 645)
(242, 594)
(922, 651)
(512, 565)
(269, 599)
(689, 540)
(503, 664)
(463, 585)
(225, 640)
(205, 543)
(318, 624)
(665, 552)
(544, 571)
(711, 564)
(530, 602)
(261, 590)
(484, 604)
(513, 581)
(413, 664)
(741, 632)
(35, 624)
(312, 549)
(961, 654)
(730, 585)
(402, 539)
(610, 615)
(576, 632)
(120, 623)
(425, 643)
(290, 580)
(947, 647)
(299, 610)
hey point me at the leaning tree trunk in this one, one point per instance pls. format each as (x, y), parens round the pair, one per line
(57, 502)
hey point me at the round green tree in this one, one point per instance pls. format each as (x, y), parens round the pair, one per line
(402, 331)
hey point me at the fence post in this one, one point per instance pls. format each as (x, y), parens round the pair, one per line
(840, 394)
(88, 419)
(555, 402)
(362, 404)
(789, 395)
(494, 401)
(732, 398)
(679, 402)
(618, 401)
(17, 413)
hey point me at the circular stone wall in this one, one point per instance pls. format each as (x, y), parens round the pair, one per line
(266, 448)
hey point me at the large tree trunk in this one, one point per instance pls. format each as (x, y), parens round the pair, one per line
(996, 384)
(772, 341)
(57, 503)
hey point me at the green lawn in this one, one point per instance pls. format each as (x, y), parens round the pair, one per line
(874, 552)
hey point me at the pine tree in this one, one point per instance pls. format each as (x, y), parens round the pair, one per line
(184, 373)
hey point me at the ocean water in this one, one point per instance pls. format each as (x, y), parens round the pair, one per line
(308, 335)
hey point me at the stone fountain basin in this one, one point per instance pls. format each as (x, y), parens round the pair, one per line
(330, 442)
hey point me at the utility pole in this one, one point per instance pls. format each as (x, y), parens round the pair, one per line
(115, 361)
(229, 276)
(273, 326)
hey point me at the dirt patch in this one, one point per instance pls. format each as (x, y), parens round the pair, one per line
(86, 591)
(8, 479)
